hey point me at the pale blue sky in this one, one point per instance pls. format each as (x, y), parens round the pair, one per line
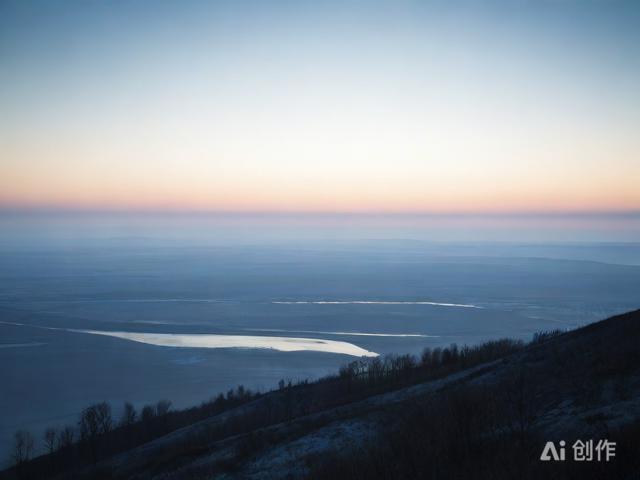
(321, 106)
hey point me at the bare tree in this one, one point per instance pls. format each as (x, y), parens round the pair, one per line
(22, 446)
(95, 421)
(65, 437)
(425, 358)
(50, 440)
(163, 407)
(129, 415)
(105, 421)
(148, 413)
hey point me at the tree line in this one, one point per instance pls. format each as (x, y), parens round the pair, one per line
(98, 434)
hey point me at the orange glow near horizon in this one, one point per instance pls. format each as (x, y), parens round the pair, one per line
(422, 189)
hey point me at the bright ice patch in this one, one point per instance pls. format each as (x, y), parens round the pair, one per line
(283, 344)
(372, 302)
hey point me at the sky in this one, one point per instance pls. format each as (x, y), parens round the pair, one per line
(435, 107)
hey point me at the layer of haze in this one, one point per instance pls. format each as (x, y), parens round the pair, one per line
(320, 106)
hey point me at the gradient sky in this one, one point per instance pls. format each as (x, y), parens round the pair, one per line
(443, 106)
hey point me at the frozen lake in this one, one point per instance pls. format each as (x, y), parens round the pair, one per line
(128, 319)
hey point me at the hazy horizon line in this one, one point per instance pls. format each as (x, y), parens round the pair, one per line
(631, 212)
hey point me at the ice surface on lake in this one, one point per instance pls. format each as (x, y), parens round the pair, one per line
(348, 334)
(372, 302)
(283, 344)
(20, 345)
